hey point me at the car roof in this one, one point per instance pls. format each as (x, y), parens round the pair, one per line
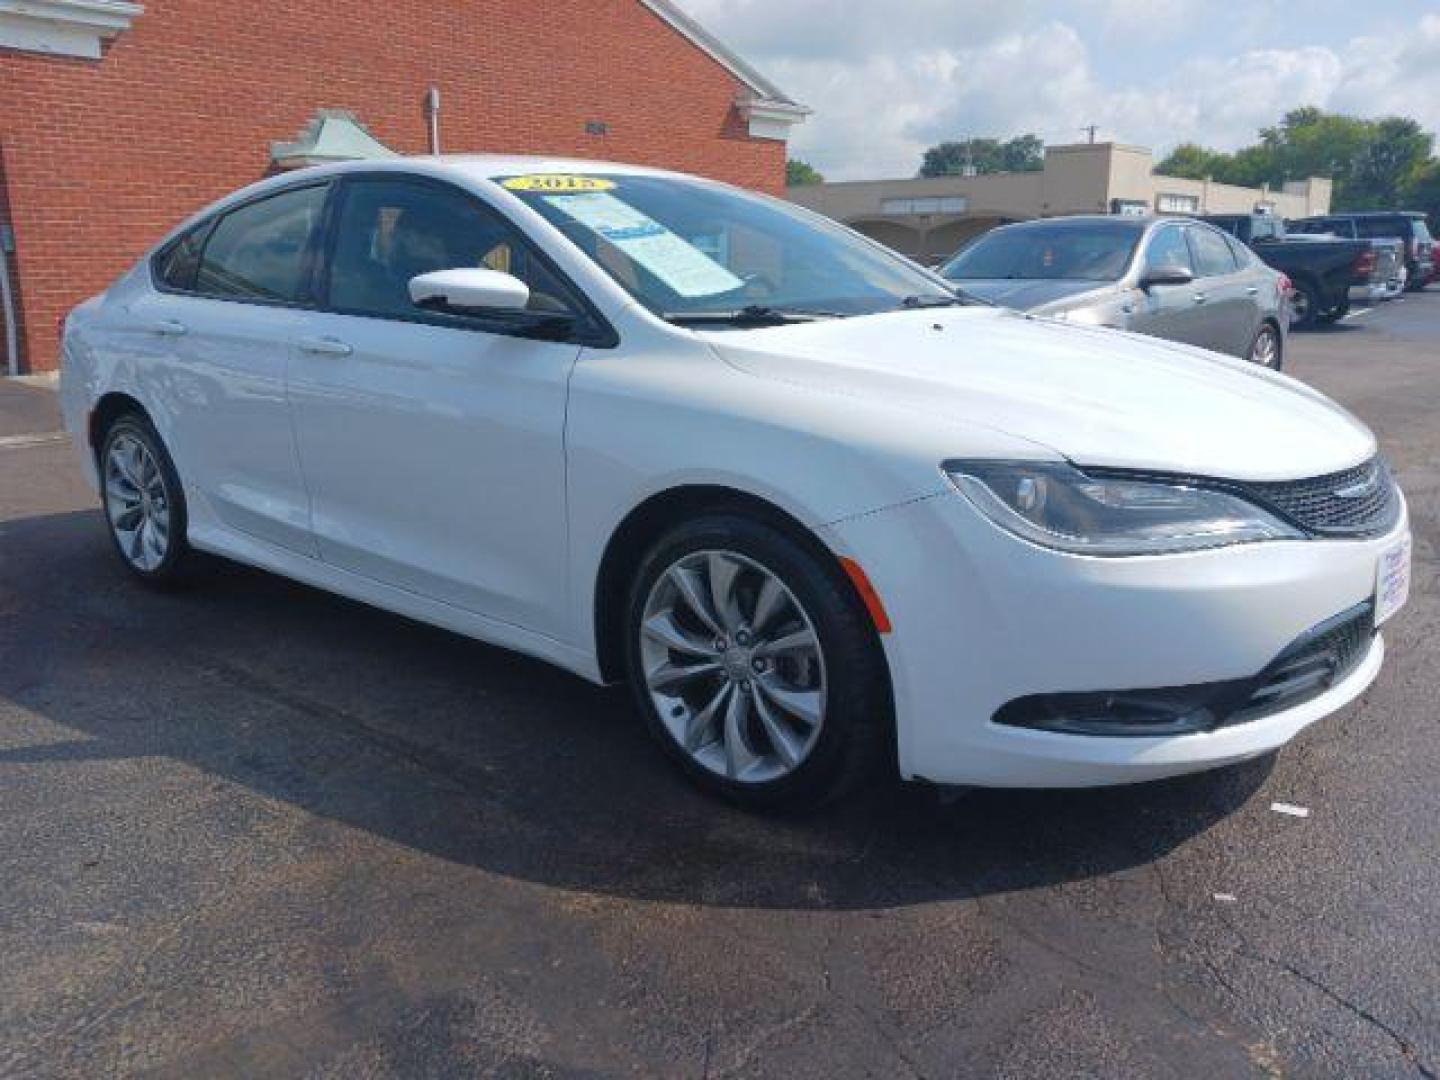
(490, 166)
(1069, 220)
(1338, 215)
(487, 166)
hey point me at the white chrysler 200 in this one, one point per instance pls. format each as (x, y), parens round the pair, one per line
(819, 511)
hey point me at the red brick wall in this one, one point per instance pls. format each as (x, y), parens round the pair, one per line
(103, 157)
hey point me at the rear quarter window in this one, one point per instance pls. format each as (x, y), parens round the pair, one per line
(175, 265)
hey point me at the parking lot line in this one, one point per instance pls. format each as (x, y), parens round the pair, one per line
(22, 442)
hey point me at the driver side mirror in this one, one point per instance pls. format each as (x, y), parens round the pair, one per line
(469, 290)
(1166, 275)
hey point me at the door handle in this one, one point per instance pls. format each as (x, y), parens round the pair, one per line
(168, 327)
(1199, 298)
(324, 346)
(1251, 290)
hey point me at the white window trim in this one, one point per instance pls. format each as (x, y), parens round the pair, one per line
(64, 27)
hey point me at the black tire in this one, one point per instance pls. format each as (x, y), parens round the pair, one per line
(855, 734)
(1416, 282)
(1277, 338)
(1305, 305)
(178, 565)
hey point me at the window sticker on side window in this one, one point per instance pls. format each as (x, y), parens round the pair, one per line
(679, 265)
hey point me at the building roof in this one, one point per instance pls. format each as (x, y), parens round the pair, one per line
(331, 135)
(726, 57)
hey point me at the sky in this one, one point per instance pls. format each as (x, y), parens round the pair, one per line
(887, 78)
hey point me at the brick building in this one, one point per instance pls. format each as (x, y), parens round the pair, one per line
(117, 119)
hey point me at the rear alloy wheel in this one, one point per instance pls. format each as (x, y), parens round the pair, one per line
(144, 504)
(755, 665)
(1266, 350)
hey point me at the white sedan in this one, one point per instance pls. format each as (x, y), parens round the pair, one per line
(820, 512)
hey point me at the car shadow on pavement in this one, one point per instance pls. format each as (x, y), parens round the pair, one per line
(474, 755)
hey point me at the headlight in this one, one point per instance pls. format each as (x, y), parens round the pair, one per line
(1058, 506)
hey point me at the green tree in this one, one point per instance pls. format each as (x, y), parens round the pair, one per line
(1369, 160)
(799, 172)
(1397, 149)
(1024, 153)
(1192, 162)
(1421, 191)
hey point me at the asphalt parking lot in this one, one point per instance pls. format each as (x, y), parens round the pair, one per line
(255, 829)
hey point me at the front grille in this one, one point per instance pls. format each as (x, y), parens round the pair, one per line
(1309, 666)
(1357, 502)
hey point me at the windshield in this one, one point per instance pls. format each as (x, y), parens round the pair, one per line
(1058, 251)
(689, 248)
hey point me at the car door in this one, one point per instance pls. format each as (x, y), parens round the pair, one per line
(222, 318)
(1168, 311)
(1258, 282)
(433, 445)
(1226, 307)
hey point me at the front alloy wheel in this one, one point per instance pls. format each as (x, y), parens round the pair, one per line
(755, 662)
(733, 666)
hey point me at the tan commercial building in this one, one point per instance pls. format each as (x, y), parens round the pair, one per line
(928, 218)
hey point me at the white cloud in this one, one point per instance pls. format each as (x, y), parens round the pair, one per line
(888, 79)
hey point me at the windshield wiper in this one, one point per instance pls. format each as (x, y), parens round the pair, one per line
(961, 298)
(750, 315)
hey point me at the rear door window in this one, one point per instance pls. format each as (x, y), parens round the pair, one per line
(261, 251)
(1240, 251)
(1212, 255)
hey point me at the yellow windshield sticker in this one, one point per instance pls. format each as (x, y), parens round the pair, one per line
(557, 183)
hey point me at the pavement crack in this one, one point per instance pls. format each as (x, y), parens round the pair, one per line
(1402, 1044)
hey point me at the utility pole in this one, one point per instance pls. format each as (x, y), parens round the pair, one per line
(1091, 129)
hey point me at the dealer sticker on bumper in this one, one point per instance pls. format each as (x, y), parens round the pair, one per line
(1392, 580)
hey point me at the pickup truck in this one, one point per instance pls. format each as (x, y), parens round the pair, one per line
(1321, 270)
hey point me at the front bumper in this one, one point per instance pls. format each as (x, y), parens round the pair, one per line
(982, 618)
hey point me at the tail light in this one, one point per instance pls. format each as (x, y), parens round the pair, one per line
(1365, 263)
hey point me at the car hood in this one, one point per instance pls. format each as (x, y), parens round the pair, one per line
(1096, 396)
(1030, 294)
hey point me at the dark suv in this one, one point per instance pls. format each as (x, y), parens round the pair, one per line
(1405, 225)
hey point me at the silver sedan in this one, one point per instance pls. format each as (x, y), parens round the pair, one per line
(1169, 277)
